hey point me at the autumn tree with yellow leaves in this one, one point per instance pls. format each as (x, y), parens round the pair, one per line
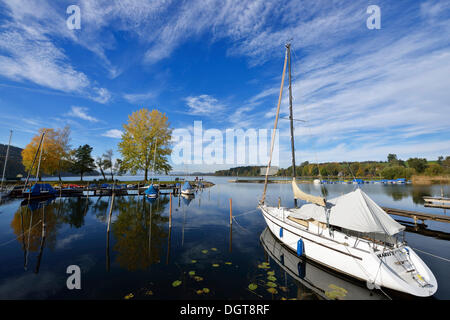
(55, 152)
(144, 130)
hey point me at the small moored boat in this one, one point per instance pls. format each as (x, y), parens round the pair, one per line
(187, 188)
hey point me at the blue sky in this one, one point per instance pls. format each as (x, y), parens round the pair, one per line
(364, 93)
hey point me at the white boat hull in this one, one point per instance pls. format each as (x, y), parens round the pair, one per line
(355, 259)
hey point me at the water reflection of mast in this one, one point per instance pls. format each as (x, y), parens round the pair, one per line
(184, 221)
(41, 250)
(150, 234)
(23, 240)
(107, 232)
(28, 245)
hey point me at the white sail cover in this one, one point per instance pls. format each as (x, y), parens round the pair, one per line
(354, 211)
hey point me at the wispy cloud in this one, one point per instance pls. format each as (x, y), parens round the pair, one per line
(139, 97)
(81, 112)
(203, 105)
(113, 133)
(29, 53)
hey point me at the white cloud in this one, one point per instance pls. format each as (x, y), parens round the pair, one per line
(80, 112)
(113, 133)
(203, 105)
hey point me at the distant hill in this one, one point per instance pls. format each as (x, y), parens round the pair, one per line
(14, 165)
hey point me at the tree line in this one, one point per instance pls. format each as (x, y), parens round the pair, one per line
(144, 146)
(393, 168)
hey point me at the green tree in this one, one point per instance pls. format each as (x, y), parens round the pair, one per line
(82, 160)
(144, 130)
(418, 164)
(392, 158)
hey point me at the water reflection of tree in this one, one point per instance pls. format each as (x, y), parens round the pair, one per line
(73, 211)
(396, 193)
(132, 233)
(25, 217)
(57, 212)
(100, 208)
(416, 192)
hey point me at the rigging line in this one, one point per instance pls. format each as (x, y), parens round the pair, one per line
(433, 255)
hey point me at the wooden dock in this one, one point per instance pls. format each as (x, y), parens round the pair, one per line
(417, 215)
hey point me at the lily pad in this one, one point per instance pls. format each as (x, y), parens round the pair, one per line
(228, 263)
(262, 266)
(129, 296)
(192, 273)
(272, 290)
(205, 251)
(205, 290)
(176, 283)
(214, 249)
(215, 265)
(271, 284)
(271, 278)
(193, 261)
(271, 273)
(198, 278)
(149, 293)
(199, 291)
(252, 286)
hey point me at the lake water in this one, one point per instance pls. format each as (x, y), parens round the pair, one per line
(197, 258)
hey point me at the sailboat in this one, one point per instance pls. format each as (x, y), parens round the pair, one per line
(152, 191)
(5, 192)
(350, 233)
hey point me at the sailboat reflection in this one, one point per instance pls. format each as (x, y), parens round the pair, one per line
(187, 198)
(324, 283)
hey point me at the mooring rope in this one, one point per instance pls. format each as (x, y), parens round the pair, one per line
(5, 243)
(246, 212)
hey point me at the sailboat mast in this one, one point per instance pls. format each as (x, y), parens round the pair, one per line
(291, 118)
(274, 130)
(154, 159)
(34, 160)
(39, 164)
(6, 159)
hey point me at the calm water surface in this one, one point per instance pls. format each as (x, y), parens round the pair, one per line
(143, 257)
